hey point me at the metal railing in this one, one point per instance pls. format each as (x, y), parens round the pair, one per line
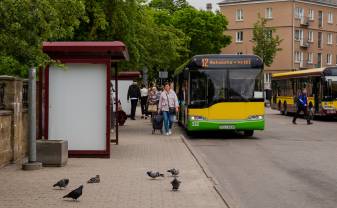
(25, 95)
(2, 96)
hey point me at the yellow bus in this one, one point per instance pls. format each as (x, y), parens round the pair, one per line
(320, 84)
(222, 92)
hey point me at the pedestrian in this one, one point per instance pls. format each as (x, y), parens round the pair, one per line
(168, 106)
(302, 105)
(133, 95)
(143, 101)
(152, 101)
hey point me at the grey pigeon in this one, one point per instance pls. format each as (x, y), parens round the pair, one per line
(62, 183)
(154, 175)
(173, 171)
(95, 179)
(175, 184)
(75, 194)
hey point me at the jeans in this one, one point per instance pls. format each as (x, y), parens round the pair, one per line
(143, 102)
(305, 111)
(133, 107)
(168, 120)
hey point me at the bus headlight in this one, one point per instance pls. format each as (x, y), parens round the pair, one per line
(255, 117)
(197, 118)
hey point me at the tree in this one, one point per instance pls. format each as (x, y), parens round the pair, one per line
(25, 24)
(265, 45)
(206, 30)
(170, 5)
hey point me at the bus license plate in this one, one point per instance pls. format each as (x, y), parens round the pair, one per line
(226, 127)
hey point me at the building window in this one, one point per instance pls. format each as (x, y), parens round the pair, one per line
(319, 60)
(320, 40)
(311, 36)
(310, 58)
(329, 59)
(320, 19)
(239, 37)
(311, 14)
(329, 38)
(299, 13)
(330, 18)
(298, 56)
(239, 15)
(298, 35)
(267, 77)
(269, 13)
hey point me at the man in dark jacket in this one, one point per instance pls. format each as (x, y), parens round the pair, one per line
(133, 95)
(302, 105)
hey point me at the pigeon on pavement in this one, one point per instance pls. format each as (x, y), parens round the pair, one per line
(95, 179)
(175, 184)
(75, 194)
(173, 171)
(62, 183)
(154, 175)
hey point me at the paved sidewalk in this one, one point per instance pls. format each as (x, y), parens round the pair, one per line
(124, 183)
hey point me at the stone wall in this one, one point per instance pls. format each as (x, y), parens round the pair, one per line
(13, 122)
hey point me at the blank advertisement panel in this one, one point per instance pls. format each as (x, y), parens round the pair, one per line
(77, 106)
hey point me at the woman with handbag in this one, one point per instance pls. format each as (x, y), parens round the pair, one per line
(168, 106)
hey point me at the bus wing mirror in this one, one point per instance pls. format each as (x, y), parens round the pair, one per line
(186, 74)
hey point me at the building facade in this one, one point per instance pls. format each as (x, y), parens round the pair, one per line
(308, 30)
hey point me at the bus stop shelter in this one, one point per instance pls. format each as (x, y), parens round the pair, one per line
(76, 96)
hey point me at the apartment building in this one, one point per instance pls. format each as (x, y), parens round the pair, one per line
(308, 29)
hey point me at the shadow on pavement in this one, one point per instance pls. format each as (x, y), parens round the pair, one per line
(220, 135)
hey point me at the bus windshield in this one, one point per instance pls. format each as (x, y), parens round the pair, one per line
(208, 87)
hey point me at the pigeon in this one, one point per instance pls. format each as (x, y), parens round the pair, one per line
(154, 175)
(62, 183)
(95, 179)
(174, 172)
(175, 184)
(75, 194)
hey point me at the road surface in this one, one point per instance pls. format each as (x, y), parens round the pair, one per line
(285, 166)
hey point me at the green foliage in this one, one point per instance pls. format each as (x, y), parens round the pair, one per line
(266, 46)
(160, 35)
(169, 5)
(206, 30)
(25, 24)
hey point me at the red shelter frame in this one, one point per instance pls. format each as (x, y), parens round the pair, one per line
(106, 53)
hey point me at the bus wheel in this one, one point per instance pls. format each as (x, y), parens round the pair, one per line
(248, 133)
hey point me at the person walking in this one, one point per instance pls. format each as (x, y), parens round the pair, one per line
(302, 105)
(133, 95)
(168, 106)
(152, 101)
(143, 100)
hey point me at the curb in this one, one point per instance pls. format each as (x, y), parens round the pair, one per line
(224, 195)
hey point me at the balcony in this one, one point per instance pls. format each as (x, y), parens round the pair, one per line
(307, 65)
(304, 44)
(304, 22)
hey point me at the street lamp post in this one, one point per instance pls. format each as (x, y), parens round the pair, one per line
(32, 163)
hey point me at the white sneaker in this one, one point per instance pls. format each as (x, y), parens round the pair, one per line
(170, 132)
(167, 134)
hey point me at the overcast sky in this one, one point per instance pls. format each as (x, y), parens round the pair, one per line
(201, 4)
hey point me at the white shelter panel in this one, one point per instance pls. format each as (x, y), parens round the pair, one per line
(123, 86)
(77, 105)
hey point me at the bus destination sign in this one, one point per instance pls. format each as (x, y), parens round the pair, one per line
(217, 63)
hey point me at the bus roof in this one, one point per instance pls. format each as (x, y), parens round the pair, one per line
(218, 61)
(306, 72)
